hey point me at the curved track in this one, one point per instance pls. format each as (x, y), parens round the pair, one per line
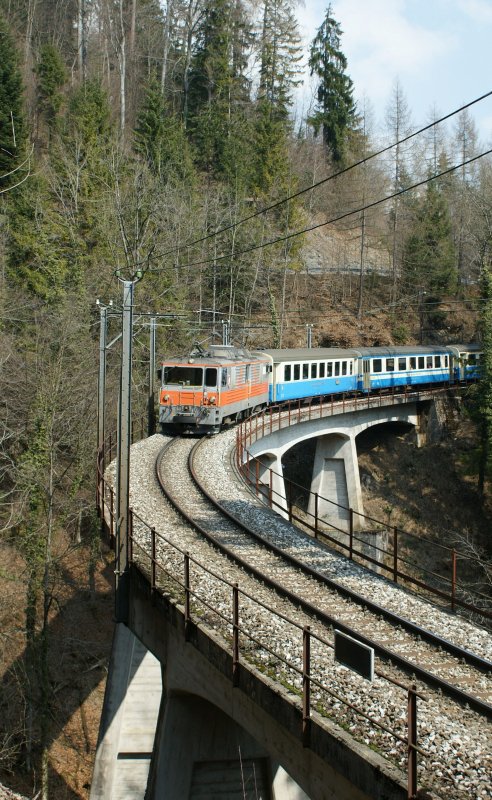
(444, 665)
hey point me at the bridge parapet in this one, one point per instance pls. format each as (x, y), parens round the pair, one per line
(339, 519)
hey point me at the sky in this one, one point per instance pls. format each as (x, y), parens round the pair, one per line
(440, 52)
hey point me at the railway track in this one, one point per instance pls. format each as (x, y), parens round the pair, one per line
(454, 729)
(413, 648)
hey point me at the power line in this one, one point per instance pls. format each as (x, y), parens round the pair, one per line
(313, 186)
(234, 254)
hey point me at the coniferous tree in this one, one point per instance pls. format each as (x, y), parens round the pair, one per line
(160, 137)
(429, 254)
(279, 62)
(51, 77)
(335, 113)
(12, 124)
(219, 89)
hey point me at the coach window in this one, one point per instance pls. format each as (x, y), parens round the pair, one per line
(297, 371)
(437, 361)
(322, 370)
(287, 372)
(429, 362)
(377, 365)
(305, 372)
(446, 362)
(351, 367)
(211, 377)
(337, 368)
(413, 362)
(421, 362)
(314, 370)
(390, 364)
(344, 367)
(329, 369)
(402, 364)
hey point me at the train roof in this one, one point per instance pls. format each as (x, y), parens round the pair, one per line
(217, 354)
(325, 353)
(309, 353)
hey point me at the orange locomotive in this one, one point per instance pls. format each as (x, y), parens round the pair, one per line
(213, 387)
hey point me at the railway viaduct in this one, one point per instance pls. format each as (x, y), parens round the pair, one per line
(179, 723)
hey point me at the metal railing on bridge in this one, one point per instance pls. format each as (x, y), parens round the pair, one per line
(175, 574)
(391, 550)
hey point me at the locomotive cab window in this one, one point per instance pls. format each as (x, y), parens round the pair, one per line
(211, 377)
(287, 372)
(184, 376)
(377, 365)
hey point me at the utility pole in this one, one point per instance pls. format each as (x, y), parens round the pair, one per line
(309, 333)
(150, 406)
(123, 453)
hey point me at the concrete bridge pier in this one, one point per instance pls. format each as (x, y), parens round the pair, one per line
(273, 484)
(336, 476)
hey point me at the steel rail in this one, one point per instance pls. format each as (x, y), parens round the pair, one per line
(383, 652)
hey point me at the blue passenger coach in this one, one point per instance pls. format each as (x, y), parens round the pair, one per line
(304, 372)
(385, 367)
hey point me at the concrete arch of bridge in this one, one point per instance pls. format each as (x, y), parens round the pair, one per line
(335, 482)
(202, 752)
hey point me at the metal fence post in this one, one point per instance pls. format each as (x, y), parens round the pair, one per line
(187, 619)
(412, 741)
(153, 556)
(316, 503)
(395, 554)
(235, 634)
(453, 579)
(351, 533)
(306, 685)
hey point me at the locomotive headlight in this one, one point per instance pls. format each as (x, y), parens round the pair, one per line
(212, 401)
(166, 398)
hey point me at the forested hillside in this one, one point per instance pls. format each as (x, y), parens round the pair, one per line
(138, 136)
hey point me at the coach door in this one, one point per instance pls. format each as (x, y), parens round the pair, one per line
(366, 374)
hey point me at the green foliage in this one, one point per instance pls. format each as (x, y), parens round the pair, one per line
(88, 122)
(335, 113)
(429, 258)
(51, 77)
(160, 138)
(39, 252)
(219, 89)
(12, 123)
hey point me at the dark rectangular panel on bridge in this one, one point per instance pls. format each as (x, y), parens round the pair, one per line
(355, 655)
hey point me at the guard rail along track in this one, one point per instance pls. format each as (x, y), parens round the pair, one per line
(286, 635)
